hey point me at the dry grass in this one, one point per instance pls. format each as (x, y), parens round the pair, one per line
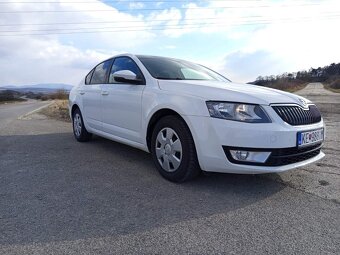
(57, 110)
(295, 88)
(332, 89)
(289, 85)
(59, 95)
(333, 84)
(12, 101)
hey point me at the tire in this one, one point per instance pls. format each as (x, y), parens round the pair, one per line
(173, 150)
(79, 130)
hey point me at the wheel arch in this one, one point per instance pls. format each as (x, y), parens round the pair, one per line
(74, 107)
(155, 118)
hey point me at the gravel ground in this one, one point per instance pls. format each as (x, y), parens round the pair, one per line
(57, 110)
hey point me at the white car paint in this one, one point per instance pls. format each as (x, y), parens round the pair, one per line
(122, 112)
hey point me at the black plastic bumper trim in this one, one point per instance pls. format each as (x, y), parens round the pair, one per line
(278, 157)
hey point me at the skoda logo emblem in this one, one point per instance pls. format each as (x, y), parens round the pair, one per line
(303, 102)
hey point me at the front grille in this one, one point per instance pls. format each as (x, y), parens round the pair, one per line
(278, 157)
(281, 157)
(295, 115)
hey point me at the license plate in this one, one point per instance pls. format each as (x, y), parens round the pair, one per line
(309, 137)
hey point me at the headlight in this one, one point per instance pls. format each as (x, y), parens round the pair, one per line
(238, 111)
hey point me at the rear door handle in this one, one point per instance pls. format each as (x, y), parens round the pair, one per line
(81, 92)
(105, 93)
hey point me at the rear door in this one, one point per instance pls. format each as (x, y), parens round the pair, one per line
(92, 96)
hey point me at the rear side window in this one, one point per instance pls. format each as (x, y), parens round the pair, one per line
(100, 72)
(124, 63)
(88, 77)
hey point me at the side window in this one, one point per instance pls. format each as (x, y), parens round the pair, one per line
(124, 63)
(88, 77)
(99, 74)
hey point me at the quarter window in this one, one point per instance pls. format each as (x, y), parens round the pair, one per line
(88, 77)
(99, 75)
(124, 63)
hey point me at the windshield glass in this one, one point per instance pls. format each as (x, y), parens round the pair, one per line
(174, 69)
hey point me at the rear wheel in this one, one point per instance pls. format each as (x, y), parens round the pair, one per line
(79, 130)
(173, 150)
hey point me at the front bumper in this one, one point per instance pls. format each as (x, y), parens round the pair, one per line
(214, 137)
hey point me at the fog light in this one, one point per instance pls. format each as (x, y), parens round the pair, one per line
(250, 156)
(241, 155)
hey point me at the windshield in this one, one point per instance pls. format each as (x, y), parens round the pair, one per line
(174, 69)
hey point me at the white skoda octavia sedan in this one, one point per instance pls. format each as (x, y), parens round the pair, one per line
(191, 118)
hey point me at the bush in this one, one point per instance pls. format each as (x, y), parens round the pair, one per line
(335, 84)
(60, 94)
(10, 95)
(58, 110)
(285, 84)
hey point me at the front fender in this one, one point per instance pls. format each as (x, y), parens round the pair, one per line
(185, 105)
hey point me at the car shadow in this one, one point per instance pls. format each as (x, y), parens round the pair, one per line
(53, 188)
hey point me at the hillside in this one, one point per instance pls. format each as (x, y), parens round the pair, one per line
(328, 75)
(39, 88)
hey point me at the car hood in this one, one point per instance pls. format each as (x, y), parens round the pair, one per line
(234, 92)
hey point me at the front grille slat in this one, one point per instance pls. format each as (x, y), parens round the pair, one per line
(289, 112)
(295, 115)
(310, 117)
(300, 119)
(305, 117)
(284, 113)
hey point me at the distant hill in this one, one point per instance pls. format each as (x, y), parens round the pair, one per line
(10, 95)
(329, 75)
(39, 88)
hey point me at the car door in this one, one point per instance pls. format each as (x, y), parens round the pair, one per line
(91, 95)
(122, 102)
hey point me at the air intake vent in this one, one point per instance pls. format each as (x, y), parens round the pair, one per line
(295, 115)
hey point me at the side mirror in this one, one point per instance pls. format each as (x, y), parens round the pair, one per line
(126, 76)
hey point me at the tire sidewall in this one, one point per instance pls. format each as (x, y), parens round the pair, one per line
(185, 137)
(81, 136)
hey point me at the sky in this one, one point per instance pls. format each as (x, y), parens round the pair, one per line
(55, 41)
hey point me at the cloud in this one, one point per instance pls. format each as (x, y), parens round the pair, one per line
(243, 43)
(284, 47)
(136, 5)
(44, 61)
(285, 36)
(243, 66)
(62, 57)
(168, 47)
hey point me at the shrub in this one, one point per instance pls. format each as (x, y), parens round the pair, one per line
(59, 94)
(335, 84)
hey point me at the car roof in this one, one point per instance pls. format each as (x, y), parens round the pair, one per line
(142, 56)
(159, 57)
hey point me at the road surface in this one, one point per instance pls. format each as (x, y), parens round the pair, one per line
(316, 92)
(58, 196)
(11, 111)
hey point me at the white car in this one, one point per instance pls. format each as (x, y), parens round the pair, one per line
(191, 118)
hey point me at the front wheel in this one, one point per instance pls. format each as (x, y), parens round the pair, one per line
(173, 150)
(79, 130)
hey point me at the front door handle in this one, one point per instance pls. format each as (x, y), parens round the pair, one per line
(81, 92)
(105, 93)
